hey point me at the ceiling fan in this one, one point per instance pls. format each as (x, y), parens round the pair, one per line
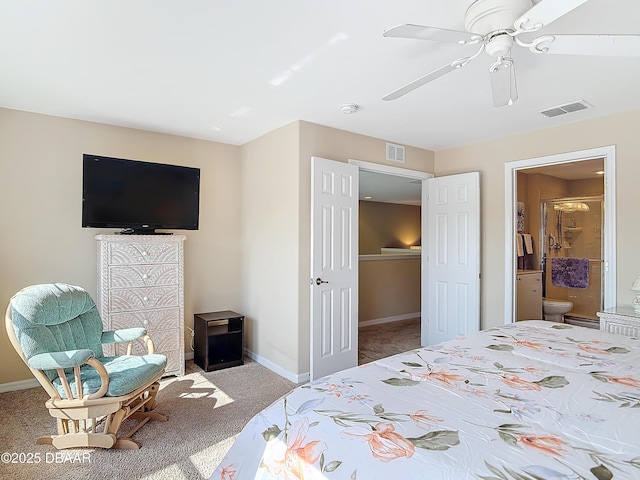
(495, 25)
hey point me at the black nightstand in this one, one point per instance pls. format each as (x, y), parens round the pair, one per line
(219, 340)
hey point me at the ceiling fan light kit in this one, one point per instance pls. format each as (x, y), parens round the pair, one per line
(496, 25)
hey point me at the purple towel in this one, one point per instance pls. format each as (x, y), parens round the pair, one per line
(570, 272)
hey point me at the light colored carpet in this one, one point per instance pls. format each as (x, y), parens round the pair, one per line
(379, 341)
(206, 411)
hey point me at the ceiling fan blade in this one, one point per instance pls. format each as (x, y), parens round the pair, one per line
(432, 33)
(409, 87)
(602, 45)
(545, 12)
(503, 83)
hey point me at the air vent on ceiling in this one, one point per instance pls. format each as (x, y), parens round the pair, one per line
(395, 153)
(568, 108)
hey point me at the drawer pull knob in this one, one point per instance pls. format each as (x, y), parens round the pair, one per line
(144, 254)
(145, 276)
(145, 298)
(146, 322)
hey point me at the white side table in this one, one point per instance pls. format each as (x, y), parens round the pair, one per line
(622, 320)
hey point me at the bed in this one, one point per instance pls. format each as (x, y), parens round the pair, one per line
(528, 401)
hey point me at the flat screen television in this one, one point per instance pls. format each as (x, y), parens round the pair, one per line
(139, 197)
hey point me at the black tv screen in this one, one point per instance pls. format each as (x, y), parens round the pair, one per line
(139, 197)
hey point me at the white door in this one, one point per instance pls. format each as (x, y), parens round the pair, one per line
(451, 286)
(334, 266)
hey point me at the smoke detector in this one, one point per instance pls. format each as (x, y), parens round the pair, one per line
(349, 108)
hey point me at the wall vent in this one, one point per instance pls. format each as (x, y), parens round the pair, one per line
(563, 109)
(395, 153)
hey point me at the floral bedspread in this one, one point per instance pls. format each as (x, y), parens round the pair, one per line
(528, 401)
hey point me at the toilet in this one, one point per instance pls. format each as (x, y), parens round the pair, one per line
(553, 310)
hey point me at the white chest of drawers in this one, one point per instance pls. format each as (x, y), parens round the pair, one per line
(622, 320)
(141, 284)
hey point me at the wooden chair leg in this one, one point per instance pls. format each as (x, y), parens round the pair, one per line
(152, 392)
(116, 420)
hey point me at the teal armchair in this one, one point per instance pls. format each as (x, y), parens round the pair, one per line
(57, 331)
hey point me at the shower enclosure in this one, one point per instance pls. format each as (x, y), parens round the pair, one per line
(572, 228)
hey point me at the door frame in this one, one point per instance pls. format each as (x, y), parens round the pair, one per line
(609, 230)
(417, 175)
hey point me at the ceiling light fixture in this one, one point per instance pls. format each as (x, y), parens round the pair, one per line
(571, 207)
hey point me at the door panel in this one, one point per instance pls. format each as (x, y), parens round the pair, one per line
(452, 230)
(334, 267)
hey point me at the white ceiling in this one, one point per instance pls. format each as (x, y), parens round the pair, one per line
(232, 70)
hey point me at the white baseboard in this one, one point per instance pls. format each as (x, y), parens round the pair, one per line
(19, 385)
(188, 355)
(292, 377)
(395, 318)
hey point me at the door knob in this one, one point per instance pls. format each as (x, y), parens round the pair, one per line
(319, 281)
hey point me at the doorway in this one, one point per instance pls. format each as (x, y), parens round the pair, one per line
(452, 223)
(389, 259)
(570, 164)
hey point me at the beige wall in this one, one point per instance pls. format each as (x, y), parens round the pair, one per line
(387, 225)
(489, 159)
(41, 193)
(388, 288)
(270, 247)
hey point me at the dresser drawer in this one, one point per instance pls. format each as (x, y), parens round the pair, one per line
(161, 326)
(142, 253)
(145, 298)
(143, 276)
(165, 319)
(163, 341)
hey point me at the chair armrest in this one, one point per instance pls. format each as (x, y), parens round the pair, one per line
(123, 335)
(55, 360)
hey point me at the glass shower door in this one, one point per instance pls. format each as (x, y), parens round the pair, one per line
(572, 229)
